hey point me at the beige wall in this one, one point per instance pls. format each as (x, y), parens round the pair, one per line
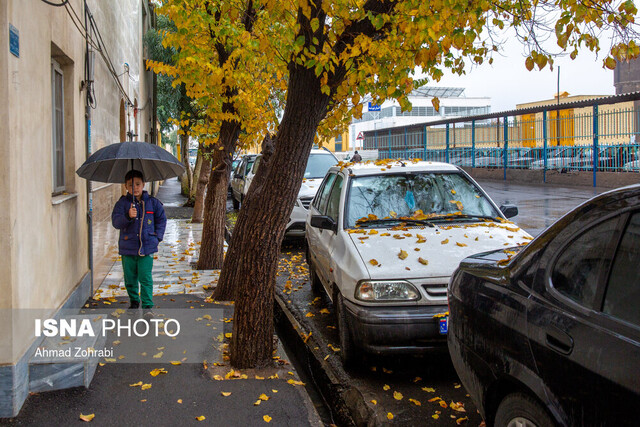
(44, 237)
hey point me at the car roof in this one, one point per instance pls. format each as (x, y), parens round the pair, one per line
(377, 167)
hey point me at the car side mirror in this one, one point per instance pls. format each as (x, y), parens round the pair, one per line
(323, 222)
(509, 210)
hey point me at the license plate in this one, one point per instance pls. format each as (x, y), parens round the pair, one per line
(444, 325)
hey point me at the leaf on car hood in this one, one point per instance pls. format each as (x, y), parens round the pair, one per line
(403, 254)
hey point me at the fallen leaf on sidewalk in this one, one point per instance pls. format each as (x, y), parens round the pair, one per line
(324, 311)
(158, 356)
(294, 382)
(179, 400)
(428, 389)
(176, 362)
(386, 387)
(146, 386)
(225, 393)
(375, 402)
(415, 402)
(87, 418)
(457, 406)
(389, 415)
(201, 418)
(138, 384)
(397, 395)
(459, 421)
(309, 314)
(263, 397)
(257, 402)
(157, 372)
(267, 418)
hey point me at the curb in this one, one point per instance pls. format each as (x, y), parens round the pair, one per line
(346, 403)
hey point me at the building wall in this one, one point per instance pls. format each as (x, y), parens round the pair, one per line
(45, 236)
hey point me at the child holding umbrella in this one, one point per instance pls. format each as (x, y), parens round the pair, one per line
(141, 221)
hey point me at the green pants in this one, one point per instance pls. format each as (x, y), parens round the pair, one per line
(138, 269)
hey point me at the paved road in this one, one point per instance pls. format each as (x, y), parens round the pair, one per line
(421, 378)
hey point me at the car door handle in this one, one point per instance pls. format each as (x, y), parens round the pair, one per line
(559, 340)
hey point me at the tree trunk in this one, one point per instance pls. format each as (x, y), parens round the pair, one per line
(225, 291)
(196, 174)
(256, 244)
(186, 177)
(212, 245)
(203, 180)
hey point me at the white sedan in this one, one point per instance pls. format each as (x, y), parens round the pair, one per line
(383, 239)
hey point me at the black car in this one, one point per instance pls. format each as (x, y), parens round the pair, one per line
(550, 333)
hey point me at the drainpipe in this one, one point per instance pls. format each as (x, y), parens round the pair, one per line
(88, 71)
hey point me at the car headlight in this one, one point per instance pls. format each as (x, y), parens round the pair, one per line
(392, 290)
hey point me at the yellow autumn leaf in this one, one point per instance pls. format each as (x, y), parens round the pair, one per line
(146, 386)
(435, 416)
(373, 232)
(443, 403)
(324, 311)
(179, 401)
(397, 395)
(176, 362)
(415, 402)
(267, 418)
(373, 262)
(462, 245)
(445, 241)
(386, 387)
(389, 416)
(228, 335)
(158, 356)
(225, 393)
(263, 397)
(138, 384)
(459, 421)
(157, 372)
(428, 389)
(87, 418)
(457, 406)
(402, 254)
(375, 402)
(257, 402)
(423, 261)
(201, 418)
(309, 314)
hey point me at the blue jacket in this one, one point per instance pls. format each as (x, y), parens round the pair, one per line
(141, 235)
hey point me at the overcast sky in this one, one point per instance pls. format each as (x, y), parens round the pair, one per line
(507, 82)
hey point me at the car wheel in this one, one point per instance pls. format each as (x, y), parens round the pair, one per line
(521, 410)
(349, 352)
(236, 204)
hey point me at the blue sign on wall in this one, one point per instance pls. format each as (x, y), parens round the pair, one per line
(374, 107)
(14, 40)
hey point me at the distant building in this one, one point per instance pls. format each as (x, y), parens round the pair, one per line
(626, 76)
(453, 103)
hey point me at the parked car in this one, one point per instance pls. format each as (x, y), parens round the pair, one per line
(318, 164)
(234, 165)
(523, 158)
(633, 166)
(239, 181)
(561, 158)
(549, 334)
(383, 239)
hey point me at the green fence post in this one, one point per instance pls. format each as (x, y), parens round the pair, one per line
(389, 142)
(424, 145)
(595, 143)
(506, 143)
(544, 145)
(446, 150)
(473, 143)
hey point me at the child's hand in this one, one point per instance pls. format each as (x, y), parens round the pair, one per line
(133, 213)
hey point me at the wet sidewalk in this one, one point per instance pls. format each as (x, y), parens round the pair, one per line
(170, 378)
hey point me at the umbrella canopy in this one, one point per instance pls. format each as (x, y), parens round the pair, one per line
(111, 163)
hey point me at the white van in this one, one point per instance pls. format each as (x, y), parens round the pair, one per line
(317, 166)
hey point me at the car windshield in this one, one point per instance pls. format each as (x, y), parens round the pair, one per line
(318, 165)
(426, 196)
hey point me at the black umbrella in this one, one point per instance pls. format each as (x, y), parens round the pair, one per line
(111, 163)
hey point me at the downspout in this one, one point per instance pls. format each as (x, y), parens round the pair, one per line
(88, 82)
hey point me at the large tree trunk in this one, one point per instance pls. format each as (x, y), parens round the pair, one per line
(225, 290)
(212, 245)
(186, 177)
(201, 186)
(257, 246)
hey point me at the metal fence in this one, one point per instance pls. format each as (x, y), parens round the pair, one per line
(591, 135)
